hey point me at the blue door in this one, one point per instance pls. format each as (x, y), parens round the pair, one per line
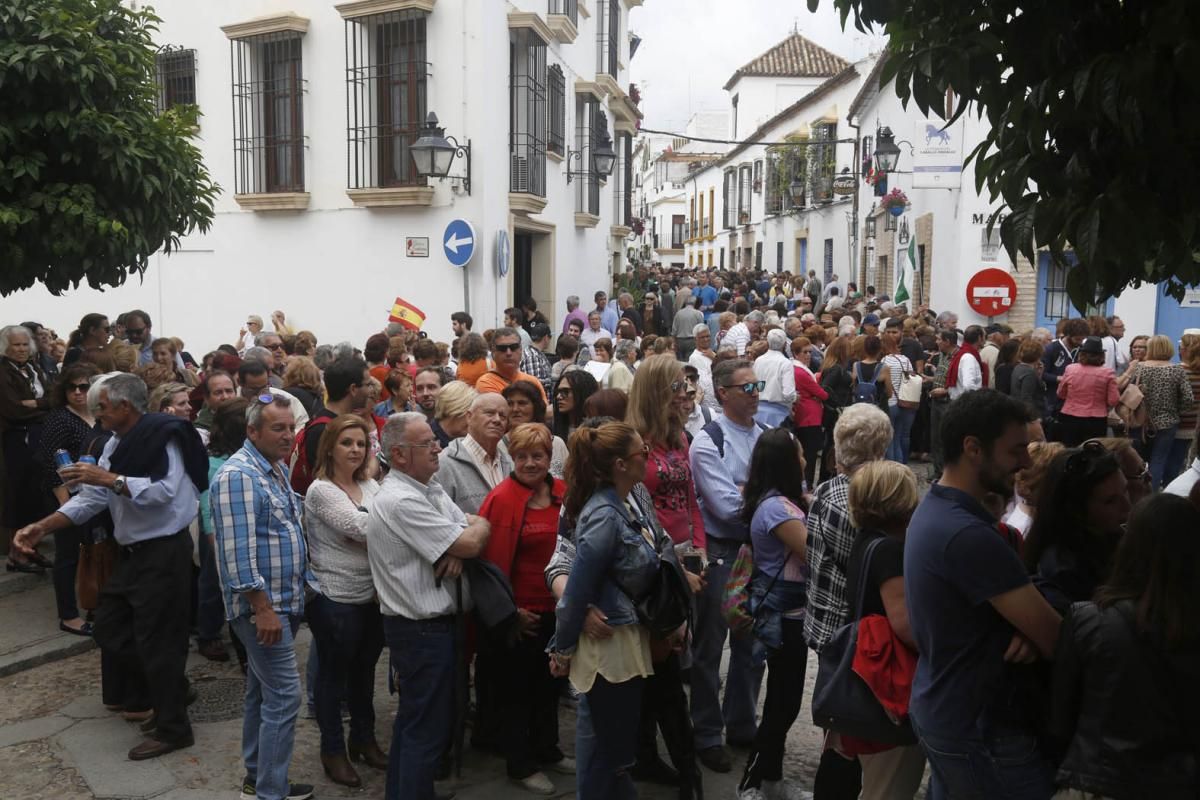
(1052, 301)
(1171, 317)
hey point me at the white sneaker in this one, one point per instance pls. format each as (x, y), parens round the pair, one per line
(564, 766)
(784, 790)
(538, 783)
(751, 794)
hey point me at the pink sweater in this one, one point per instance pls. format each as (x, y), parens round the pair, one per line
(669, 480)
(1088, 391)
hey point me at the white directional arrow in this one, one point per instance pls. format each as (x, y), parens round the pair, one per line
(454, 242)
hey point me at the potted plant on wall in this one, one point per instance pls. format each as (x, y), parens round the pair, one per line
(895, 202)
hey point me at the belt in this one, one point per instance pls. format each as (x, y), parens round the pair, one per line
(133, 548)
(432, 622)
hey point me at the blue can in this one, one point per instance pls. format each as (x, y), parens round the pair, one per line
(62, 459)
(87, 459)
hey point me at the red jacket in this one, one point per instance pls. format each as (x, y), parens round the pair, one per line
(504, 508)
(810, 399)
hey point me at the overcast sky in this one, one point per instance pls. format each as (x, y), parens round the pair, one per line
(690, 48)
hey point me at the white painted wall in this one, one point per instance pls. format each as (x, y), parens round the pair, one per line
(335, 268)
(760, 98)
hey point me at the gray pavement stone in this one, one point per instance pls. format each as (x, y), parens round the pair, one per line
(29, 634)
(99, 751)
(86, 707)
(32, 729)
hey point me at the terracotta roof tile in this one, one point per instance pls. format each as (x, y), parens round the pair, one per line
(794, 57)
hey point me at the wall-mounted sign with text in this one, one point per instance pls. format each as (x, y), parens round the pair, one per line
(416, 246)
(937, 155)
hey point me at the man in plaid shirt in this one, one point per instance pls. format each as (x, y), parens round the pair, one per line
(862, 434)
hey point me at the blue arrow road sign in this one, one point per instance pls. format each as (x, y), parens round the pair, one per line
(458, 242)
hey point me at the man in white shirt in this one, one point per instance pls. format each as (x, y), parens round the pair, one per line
(1182, 485)
(417, 540)
(969, 375)
(593, 333)
(774, 369)
(742, 333)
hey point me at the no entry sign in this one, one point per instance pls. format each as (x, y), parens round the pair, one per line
(991, 292)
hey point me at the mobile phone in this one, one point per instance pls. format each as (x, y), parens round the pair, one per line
(693, 563)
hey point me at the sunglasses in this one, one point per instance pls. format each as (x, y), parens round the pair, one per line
(563, 393)
(676, 386)
(276, 346)
(643, 451)
(749, 388)
(1080, 462)
(78, 387)
(507, 348)
(135, 330)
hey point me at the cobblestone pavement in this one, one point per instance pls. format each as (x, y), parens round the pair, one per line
(58, 743)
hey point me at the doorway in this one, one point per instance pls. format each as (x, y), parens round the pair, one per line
(522, 254)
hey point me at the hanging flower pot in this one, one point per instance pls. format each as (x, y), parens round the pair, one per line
(895, 202)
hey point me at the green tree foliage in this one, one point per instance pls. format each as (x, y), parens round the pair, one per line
(93, 179)
(1092, 107)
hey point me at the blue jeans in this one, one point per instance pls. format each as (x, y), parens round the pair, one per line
(902, 422)
(272, 703)
(606, 729)
(423, 659)
(350, 638)
(1160, 454)
(210, 608)
(997, 766)
(738, 713)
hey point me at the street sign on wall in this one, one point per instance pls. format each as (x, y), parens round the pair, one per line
(416, 246)
(991, 292)
(458, 242)
(503, 252)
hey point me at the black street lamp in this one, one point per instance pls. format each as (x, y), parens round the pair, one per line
(903, 236)
(886, 151)
(434, 152)
(871, 226)
(796, 191)
(603, 157)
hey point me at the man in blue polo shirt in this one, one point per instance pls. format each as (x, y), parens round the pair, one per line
(707, 294)
(974, 613)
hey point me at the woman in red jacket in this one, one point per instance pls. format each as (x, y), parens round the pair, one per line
(808, 408)
(523, 511)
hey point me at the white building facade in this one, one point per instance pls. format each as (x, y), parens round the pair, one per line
(309, 109)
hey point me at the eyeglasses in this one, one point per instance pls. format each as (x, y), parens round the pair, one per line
(748, 388)
(676, 386)
(644, 451)
(563, 393)
(78, 387)
(431, 444)
(1144, 476)
(507, 348)
(138, 331)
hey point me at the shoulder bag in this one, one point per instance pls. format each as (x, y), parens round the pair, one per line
(910, 390)
(668, 603)
(842, 701)
(1131, 408)
(97, 551)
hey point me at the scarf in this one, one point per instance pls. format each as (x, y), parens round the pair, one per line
(952, 371)
(142, 452)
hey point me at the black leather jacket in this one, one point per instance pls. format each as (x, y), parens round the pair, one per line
(1129, 709)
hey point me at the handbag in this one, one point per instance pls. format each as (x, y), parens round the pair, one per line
(735, 598)
(1131, 408)
(668, 602)
(842, 701)
(97, 560)
(910, 390)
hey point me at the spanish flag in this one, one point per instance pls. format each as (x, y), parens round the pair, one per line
(407, 315)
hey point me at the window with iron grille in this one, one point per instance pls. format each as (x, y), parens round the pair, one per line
(568, 8)
(772, 196)
(828, 266)
(556, 92)
(527, 113)
(729, 190)
(387, 69)
(175, 74)
(745, 177)
(622, 210)
(590, 126)
(758, 255)
(268, 113)
(608, 31)
(822, 161)
(779, 256)
(758, 176)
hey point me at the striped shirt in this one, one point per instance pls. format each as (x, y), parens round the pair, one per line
(411, 526)
(260, 541)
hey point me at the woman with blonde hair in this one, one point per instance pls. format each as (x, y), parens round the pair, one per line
(1041, 455)
(669, 482)
(1168, 394)
(344, 617)
(450, 411)
(171, 398)
(881, 499)
(302, 380)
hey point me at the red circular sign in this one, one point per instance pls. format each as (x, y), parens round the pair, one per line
(991, 292)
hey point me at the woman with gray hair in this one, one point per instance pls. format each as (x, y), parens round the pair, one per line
(862, 435)
(774, 369)
(24, 401)
(620, 374)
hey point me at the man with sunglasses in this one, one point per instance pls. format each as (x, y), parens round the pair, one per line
(418, 541)
(506, 355)
(720, 460)
(974, 611)
(138, 334)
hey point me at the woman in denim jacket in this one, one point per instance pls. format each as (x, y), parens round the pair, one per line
(618, 542)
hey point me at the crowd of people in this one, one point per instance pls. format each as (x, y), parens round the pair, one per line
(716, 459)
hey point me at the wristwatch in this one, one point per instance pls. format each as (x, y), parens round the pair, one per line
(118, 486)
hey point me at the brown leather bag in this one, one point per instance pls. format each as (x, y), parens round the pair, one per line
(97, 561)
